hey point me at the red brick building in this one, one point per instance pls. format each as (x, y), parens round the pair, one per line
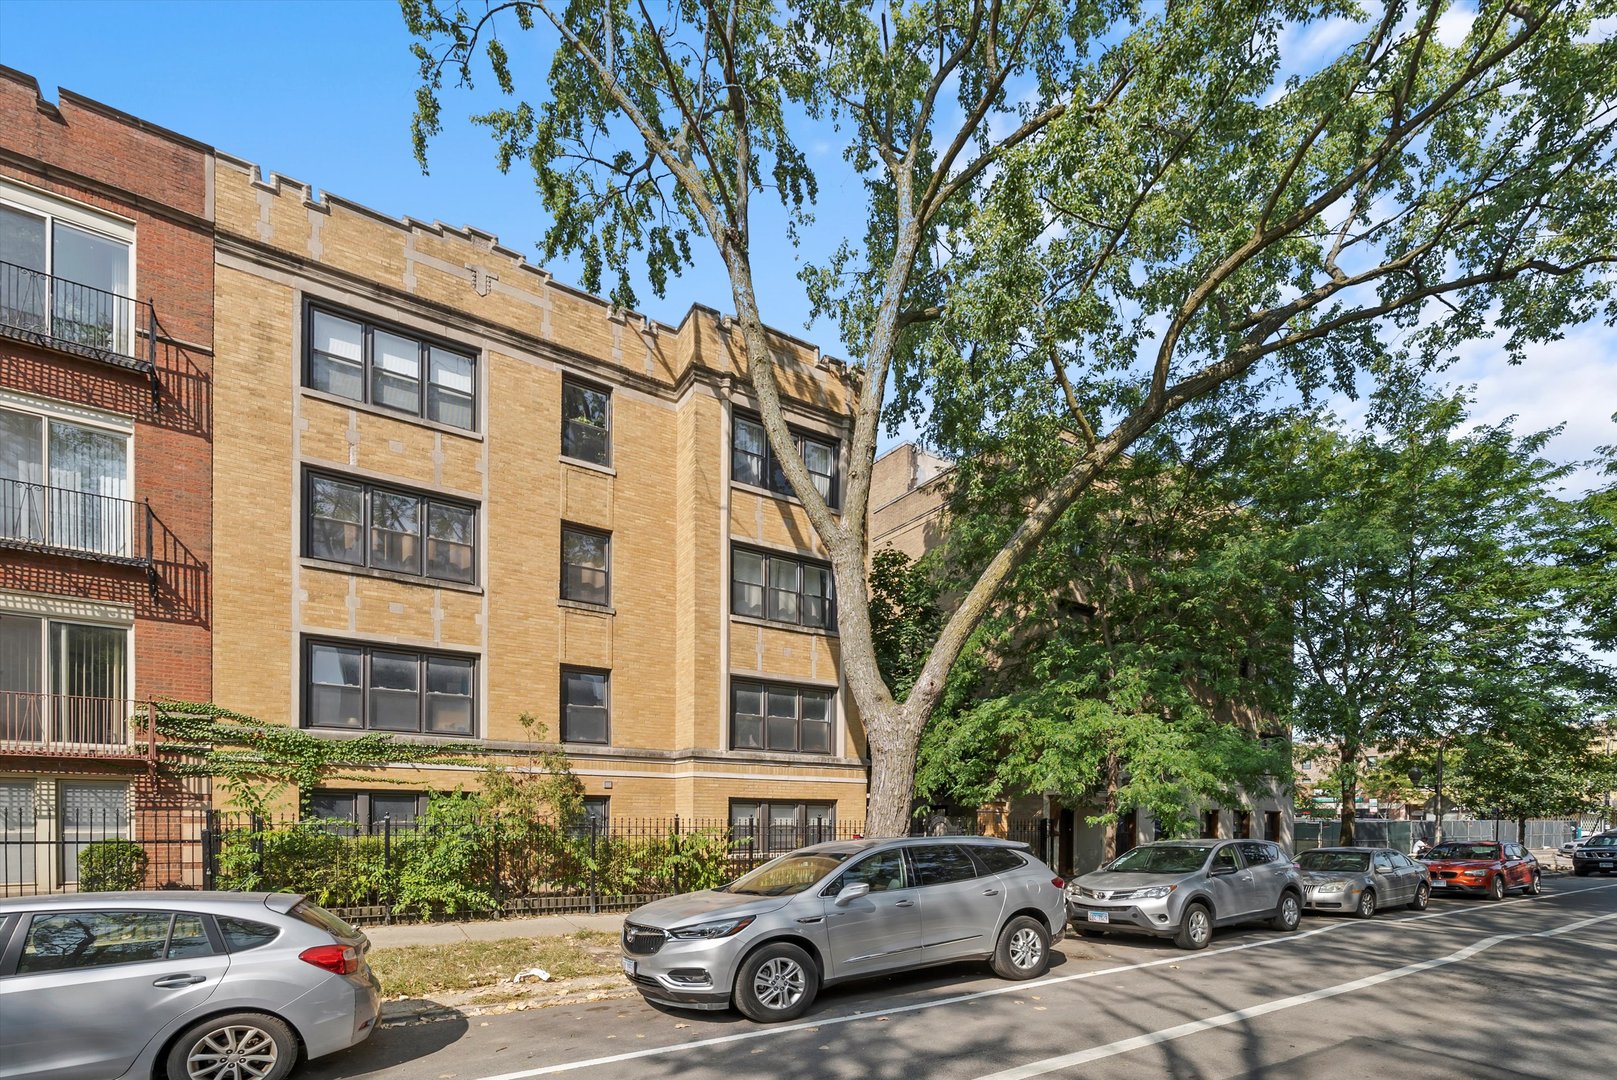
(106, 472)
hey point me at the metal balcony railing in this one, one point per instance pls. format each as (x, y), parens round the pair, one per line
(56, 724)
(77, 318)
(42, 518)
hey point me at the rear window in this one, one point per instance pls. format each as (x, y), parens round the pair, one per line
(998, 860)
(243, 934)
(317, 916)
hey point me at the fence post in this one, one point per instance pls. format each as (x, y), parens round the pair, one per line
(258, 850)
(676, 855)
(210, 850)
(595, 900)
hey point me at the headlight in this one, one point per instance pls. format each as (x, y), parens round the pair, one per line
(1337, 885)
(712, 929)
(1154, 892)
(1473, 873)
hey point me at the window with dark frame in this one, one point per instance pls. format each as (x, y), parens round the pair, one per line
(586, 422)
(753, 462)
(765, 585)
(769, 716)
(586, 558)
(360, 360)
(771, 827)
(586, 707)
(382, 528)
(378, 688)
(368, 809)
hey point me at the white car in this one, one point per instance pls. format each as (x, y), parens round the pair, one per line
(1572, 845)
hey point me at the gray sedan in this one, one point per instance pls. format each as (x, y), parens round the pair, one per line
(1362, 879)
(194, 986)
(769, 940)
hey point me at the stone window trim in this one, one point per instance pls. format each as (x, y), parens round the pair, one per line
(427, 504)
(372, 375)
(366, 688)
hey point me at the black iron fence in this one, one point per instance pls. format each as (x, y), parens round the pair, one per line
(443, 868)
(42, 517)
(79, 317)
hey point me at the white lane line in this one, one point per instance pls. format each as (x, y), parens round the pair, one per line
(1140, 1042)
(1012, 988)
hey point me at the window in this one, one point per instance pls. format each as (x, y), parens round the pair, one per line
(63, 682)
(753, 462)
(586, 565)
(764, 716)
(18, 824)
(998, 860)
(384, 689)
(883, 872)
(940, 864)
(586, 423)
(365, 525)
(781, 588)
(88, 939)
(1257, 854)
(585, 706)
(243, 934)
(598, 808)
(369, 808)
(64, 280)
(361, 361)
(64, 485)
(1224, 859)
(772, 827)
(89, 810)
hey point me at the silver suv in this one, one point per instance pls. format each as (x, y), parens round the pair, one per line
(769, 940)
(1181, 889)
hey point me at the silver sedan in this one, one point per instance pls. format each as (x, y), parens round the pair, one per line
(194, 986)
(1362, 880)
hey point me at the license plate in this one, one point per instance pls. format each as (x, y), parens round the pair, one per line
(1439, 883)
(1605, 866)
(628, 967)
(1100, 916)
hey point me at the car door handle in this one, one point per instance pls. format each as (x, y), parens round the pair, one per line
(990, 892)
(904, 903)
(169, 982)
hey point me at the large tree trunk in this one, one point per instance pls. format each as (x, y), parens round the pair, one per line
(1347, 837)
(1108, 844)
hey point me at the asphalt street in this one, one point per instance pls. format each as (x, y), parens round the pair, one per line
(1469, 988)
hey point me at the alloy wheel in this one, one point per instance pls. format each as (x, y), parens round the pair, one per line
(779, 983)
(1201, 927)
(239, 1052)
(1026, 949)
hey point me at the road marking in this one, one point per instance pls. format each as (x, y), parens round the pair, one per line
(1013, 988)
(1140, 1042)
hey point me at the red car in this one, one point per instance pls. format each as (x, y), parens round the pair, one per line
(1487, 867)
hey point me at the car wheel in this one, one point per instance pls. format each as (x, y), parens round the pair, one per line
(1023, 951)
(778, 982)
(237, 1046)
(1535, 886)
(1423, 896)
(1496, 888)
(1195, 927)
(1288, 914)
(1367, 904)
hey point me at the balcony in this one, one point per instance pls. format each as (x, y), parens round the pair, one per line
(64, 725)
(35, 517)
(80, 320)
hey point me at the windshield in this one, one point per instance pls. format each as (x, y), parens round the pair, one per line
(788, 874)
(1602, 842)
(1335, 862)
(1169, 859)
(1463, 851)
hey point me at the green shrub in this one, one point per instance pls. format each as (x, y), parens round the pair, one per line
(111, 866)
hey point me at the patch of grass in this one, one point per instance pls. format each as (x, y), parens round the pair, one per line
(420, 970)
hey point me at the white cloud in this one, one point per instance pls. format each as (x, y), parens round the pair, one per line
(1454, 24)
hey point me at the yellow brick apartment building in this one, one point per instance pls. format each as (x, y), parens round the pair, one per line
(452, 490)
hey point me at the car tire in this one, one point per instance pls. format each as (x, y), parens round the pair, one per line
(776, 983)
(1366, 908)
(261, 1039)
(1423, 896)
(1496, 887)
(1536, 886)
(1023, 949)
(1195, 927)
(1288, 914)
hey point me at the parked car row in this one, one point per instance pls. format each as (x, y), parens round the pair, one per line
(191, 986)
(1596, 856)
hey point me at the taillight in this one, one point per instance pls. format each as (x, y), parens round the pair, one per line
(1058, 883)
(337, 959)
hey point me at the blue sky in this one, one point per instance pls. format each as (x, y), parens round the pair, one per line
(323, 92)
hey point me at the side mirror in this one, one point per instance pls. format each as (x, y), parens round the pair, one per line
(1221, 871)
(1383, 869)
(852, 893)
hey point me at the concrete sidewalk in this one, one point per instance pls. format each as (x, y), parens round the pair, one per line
(386, 937)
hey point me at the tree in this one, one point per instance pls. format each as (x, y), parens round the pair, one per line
(1591, 554)
(1076, 219)
(1531, 765)
(1428, 602)
(1137, 660)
